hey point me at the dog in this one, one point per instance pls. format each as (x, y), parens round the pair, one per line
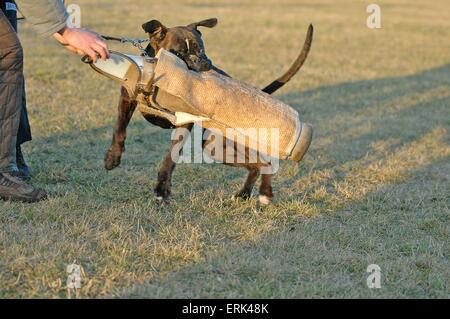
(186, 43)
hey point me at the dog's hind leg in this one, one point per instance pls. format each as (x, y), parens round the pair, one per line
(163, 186)
(126, 110)
(265, 190)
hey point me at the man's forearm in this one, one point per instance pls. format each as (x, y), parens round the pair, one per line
(47, 16)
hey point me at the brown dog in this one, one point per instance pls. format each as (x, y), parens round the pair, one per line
(186, 42)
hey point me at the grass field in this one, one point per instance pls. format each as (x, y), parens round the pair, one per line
(373, 189)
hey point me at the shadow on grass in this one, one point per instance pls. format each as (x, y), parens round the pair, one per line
(377, 159)
(368, 119)
(402, 227)
(370, 139)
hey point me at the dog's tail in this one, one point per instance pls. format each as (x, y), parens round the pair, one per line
(278, 83)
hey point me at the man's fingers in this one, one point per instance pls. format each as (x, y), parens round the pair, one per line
(92, 54)
(102, 43)
(75, 50)
(104, 46)
(83, 42)
(71, 48)
(100, 50)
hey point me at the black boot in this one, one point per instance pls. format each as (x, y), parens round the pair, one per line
(12, 188)
(24, 171)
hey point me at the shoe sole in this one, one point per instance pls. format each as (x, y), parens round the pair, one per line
(28, 200)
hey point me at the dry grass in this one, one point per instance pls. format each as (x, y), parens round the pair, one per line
(374, 187)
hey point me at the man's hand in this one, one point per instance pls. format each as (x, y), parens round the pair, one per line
(83, 42)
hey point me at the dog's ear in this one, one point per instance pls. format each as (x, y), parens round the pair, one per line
(209, 23)
(155, 29)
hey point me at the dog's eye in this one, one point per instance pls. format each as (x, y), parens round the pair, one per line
(178, 53)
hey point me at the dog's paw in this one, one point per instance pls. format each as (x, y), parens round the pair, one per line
(162, 193)
(162, 201)
(242, 194)
(112, 159)
(265, 200)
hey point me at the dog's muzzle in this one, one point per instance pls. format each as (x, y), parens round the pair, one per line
(199, 63)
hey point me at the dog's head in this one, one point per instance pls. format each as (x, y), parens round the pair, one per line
(184, 41)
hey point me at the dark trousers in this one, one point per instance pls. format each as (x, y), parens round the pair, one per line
(11, 89)
(24, 133)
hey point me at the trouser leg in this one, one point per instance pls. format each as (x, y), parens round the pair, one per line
(24, 133)
(11, 91)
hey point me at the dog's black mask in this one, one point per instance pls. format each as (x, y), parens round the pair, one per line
(185, 42)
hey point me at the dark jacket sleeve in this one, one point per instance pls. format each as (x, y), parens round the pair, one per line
(47, 16)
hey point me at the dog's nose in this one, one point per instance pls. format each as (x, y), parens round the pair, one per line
(202, 62)
(206, 64)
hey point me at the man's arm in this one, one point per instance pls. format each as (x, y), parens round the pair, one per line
(49, 18)
(46, 16)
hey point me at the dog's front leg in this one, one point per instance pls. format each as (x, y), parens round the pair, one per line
(126, 110)
(164, 183)
(246, 191)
